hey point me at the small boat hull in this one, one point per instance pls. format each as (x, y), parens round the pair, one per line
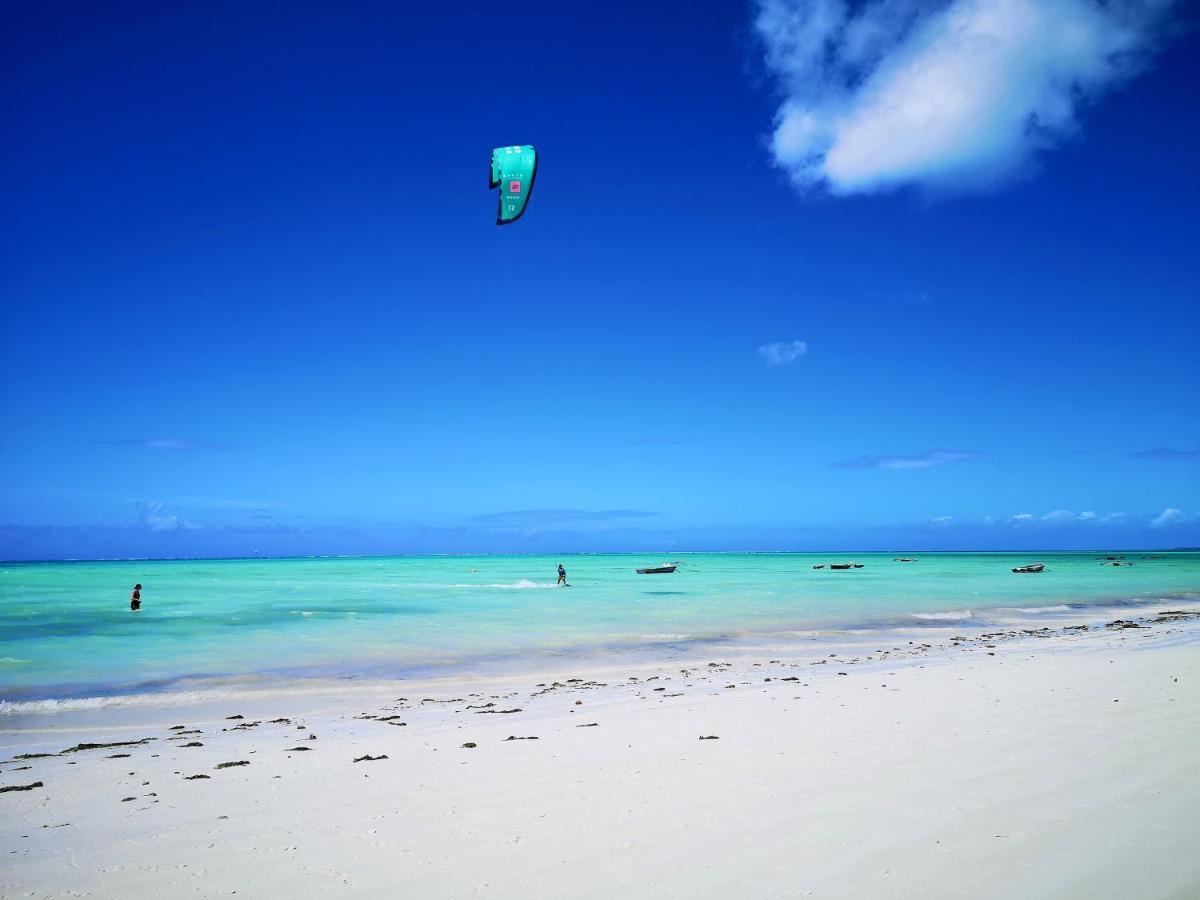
(1023, 570)
(657, 570)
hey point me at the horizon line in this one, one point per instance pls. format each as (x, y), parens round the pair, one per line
(775, 552)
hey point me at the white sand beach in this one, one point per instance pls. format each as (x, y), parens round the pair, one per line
(1056, 763)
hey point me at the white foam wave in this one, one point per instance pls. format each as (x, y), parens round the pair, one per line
(666, 637)
(523, 585)
(127, 701)
(155, 700)
(11, 661)
(1034, 610)
(952, 616)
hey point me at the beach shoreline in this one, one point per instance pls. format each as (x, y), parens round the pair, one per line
(651, 651)
(1040, 760)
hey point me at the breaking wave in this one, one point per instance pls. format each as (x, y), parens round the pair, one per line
(1035, 610)
(523, 585)
(952, 616)
(170, 699)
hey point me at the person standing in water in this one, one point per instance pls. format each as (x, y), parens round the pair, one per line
(562, 575)
(135, 599)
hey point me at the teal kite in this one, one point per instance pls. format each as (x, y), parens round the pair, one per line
(513, 171)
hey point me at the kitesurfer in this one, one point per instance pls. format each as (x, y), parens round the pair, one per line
(562, 575)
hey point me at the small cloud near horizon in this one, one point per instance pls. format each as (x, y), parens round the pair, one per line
(956, 95)
(1059, 515)
(151, 514)
(926, 460)
(1170, 516)
(1065, 516)
(782, 353)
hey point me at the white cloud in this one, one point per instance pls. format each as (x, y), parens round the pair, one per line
(952, 94)
(1066, 516)
(943, 520)
(782, 353)
(926, 460)
(1169, 516)
(1058, 516)
(151, 515)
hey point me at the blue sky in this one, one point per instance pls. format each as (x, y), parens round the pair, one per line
(795, 275)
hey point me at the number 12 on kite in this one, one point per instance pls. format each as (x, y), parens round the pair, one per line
(513, 171)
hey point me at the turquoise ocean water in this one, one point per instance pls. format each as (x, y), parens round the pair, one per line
(66, 629)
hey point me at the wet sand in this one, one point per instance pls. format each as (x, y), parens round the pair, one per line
(1030, 761)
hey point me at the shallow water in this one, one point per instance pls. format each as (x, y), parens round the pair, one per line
(66, 629)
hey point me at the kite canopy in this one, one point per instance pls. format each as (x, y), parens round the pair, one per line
(513, 171)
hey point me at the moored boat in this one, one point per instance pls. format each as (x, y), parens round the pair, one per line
(1035, 567)
(658, 570)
